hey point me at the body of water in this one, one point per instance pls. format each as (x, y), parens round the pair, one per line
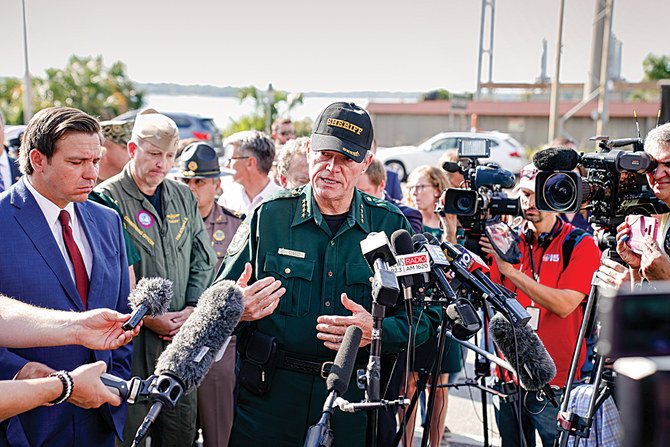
(225, 109)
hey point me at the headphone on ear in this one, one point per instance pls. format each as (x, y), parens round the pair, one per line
(544, 239)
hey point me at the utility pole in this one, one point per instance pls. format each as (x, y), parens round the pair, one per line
(604, 69)
(554, 129)
(27, 87)
(268, 112)
(491, 5)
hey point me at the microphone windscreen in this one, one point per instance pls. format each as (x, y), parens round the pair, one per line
(402, 242)
(193, 349)
(345, 360)
(537, 367)
(154, 293)
(451, 166)
(432, 240)
(419, 240)
(556, 159)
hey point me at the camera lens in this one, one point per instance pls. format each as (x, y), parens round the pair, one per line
(560, 192)
(464, 203)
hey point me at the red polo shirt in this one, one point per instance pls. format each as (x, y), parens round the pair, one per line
(559, 335)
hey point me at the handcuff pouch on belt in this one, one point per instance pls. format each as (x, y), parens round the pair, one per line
(258, 355)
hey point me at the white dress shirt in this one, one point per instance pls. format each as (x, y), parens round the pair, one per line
(235, 198)
(51, 212)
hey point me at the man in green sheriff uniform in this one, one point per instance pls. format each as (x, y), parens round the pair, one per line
(163, 221)
(305, 281)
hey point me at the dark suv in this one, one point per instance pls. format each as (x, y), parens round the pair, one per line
(190, 126)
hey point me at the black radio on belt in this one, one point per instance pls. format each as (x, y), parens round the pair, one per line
(258, 354)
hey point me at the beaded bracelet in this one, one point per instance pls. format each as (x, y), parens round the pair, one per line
(68, 386)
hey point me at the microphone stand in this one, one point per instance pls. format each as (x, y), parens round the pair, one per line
(321, 435)
(571, 424)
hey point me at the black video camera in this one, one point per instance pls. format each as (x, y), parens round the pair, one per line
(614, 187)
(482, 198)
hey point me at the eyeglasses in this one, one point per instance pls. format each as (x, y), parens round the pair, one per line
(419, 188)
(240, 158)
(529, 174)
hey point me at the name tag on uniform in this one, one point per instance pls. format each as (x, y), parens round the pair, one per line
(294, 253)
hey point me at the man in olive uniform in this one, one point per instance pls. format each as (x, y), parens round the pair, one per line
(199, 169)
(305, 280)
(162, 219)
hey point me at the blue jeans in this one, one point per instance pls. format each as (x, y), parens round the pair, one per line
(536, 414)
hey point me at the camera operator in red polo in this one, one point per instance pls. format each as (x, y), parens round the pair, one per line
(551, 290)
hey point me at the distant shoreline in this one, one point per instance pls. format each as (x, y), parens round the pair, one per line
(231, 92)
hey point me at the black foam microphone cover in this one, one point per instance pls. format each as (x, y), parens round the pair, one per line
(537, 368)
(151, 296)
(193, 349)
(401, 241)
(556, 159)
(345, 360)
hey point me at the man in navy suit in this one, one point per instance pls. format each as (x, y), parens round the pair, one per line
(9, 170)
(63, 252)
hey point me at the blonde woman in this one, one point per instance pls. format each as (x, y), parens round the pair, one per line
(424, 186)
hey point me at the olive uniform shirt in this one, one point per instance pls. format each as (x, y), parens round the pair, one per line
(221, 224)
(176, 247)
(287, 238)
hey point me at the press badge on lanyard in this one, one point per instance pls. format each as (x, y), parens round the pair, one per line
(534, 313)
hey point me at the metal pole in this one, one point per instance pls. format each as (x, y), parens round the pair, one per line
(268, 113)
(604, 69)
(27, 88)
(554, 130)
(481, 51)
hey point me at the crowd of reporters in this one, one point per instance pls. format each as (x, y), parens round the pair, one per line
(266, 175)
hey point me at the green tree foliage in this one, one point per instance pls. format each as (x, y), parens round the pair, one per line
(656, 67)
(281, 104)
(84, 83)
(433, 95)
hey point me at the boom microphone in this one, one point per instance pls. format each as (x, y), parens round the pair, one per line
(185, 362)
(556, 159)
(151, 296)
(537, 369)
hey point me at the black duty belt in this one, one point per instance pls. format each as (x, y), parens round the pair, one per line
(287, 360)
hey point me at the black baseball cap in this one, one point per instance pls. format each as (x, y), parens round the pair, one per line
(200, 160)
(345, 128)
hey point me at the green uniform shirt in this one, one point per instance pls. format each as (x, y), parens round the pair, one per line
(177, 248)
(287, 238)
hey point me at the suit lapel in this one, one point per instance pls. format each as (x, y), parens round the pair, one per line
(29, 216)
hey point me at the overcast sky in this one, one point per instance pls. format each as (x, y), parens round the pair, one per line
(315, 45)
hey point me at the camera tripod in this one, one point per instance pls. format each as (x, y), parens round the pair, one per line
(569, 423)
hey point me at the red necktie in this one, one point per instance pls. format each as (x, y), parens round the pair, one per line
(80, 275)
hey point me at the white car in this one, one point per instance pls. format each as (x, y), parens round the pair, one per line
(505, 151)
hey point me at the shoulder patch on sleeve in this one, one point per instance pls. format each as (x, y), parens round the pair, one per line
(239, 239)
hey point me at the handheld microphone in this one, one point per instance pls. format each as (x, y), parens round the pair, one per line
(469, 267)
(536, 368)
(185, 362)
(556, 159)
(438, 261)
(151, 296)
(402, 244)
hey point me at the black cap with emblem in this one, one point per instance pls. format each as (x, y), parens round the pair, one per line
(345, 128)
(200, 160)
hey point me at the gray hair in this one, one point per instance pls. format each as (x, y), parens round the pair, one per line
(255, 144)
(657, 137)
(289, 152)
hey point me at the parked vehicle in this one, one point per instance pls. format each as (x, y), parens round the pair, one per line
(190, 126)
(505, 151)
